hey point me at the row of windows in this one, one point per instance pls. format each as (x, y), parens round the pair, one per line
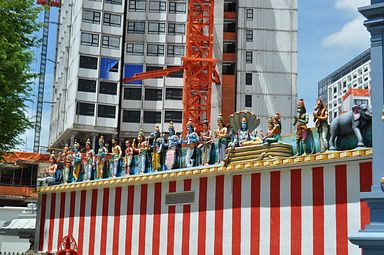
(113, 20)
(118, 2)
(153, 94)
(157, 6)
(92, 63)
(109, 42)
(131, 116)
(137, 49)
(138, 27)
(103, 111)
(110, 88)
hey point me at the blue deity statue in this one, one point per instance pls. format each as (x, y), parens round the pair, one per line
(192, 139)
(173, 143)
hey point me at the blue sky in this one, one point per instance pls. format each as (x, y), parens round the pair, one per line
(330, 34)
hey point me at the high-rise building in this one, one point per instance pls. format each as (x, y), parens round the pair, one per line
(351, 81)
(100, 42)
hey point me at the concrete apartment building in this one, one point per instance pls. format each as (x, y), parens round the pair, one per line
(347, 86)
(100, 42)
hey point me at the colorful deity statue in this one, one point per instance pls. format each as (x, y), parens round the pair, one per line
(221, 134)
(273, 134)
(301, 121)
(173, 142)
(88, 160)
(101, 158)
(128, 156)
(68, 158)
(244, 136)
(205, 143)
(157, 149)
(141, 148)
(320, 117)
(114, 167)
(191, 140)
(51, 169)
(76, 161)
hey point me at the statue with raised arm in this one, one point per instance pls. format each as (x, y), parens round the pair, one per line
(301, 121)
(320, 117)
(173, 142)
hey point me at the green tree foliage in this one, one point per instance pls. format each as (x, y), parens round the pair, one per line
(18, 36)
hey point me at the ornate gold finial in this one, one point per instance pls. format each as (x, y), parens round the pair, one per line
(220, 117)
(88, 141)
(170, 126)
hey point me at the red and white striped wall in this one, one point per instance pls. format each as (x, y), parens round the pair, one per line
(308, 210)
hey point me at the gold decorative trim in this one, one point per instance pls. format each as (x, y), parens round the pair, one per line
(256, 165)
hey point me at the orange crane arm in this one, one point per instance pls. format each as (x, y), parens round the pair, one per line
(154, 74)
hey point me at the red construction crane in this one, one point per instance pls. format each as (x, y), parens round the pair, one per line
(198, 64)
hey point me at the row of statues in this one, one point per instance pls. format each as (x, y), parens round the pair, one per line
(159, 152)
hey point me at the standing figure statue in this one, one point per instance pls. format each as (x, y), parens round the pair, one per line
(141, 148)
(88, 160)
(221, 134)
(320, 117)
(173, 142)
(114, 168)
(128, 157)
(77, 157)
(101, 158)
(206, 143)
(301, 121)
(66, 158)
(191, 140)
(157, 148)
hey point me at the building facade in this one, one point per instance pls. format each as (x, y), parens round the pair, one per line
(352, 80)
(100, 42)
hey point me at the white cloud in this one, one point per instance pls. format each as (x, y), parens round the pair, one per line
(353, 35)
(350, 5)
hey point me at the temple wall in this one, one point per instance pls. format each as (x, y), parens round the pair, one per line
(297, 205)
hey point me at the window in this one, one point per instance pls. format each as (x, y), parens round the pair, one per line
(155, 50)
(174, 116)
(137, 5)
(106, 111)
(89, 39)
(85, 109)
(111, 42)
(88, 62)
(174, 94)
(152, 117)
(229, 68)
(248, 57)
(136, 49)
(176, 28)
(112, 20)
(178, 74)
(153, 68)
(108, 88)
(131, 116)
(156, 28)
(229, 47)
(249, 14)
(153, 94)
(229, 26)
(248, 79)
(136, 27)
(113, 2)
(360, 101)
(132, 94)
(86, 85)
(91, 17)
(248, 100)
(249, 35)
(157, 6)
(177, 7)
(174, 50)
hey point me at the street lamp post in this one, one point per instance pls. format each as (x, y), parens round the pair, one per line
(371, 239)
